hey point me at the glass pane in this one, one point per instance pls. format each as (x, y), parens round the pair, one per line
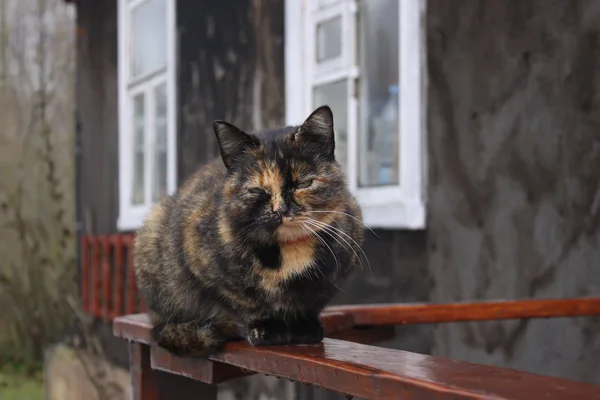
(335, 96)
(329, 39)
(325, 3)
(159, 187)
(378, 145)
(139, 138)
(149, 37)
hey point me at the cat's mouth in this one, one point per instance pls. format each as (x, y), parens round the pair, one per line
(290, 229)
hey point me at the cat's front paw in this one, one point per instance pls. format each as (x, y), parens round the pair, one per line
(307, 331)
(276, 332)
(269, 333)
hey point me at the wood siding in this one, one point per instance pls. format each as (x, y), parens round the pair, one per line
(97, 114)
(230, 67)
(97, 120)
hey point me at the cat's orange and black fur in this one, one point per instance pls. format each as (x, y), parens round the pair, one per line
(254, 245)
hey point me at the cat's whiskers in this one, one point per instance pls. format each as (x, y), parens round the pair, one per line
(316, 234)
(319, 267)
(335, 236)
(316, 224)
(331, 229)
(346, 214)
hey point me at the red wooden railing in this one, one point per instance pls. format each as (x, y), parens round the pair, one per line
(108, 287)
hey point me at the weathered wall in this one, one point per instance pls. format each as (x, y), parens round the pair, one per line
(514, 155)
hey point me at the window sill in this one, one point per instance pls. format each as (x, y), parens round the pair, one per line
(401, 215)
(132, 220)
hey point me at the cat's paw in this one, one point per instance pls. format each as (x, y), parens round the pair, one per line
(275, 332)
(269, 333)
(307, 332)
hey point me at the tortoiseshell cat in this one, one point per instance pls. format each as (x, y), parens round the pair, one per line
(254, 244)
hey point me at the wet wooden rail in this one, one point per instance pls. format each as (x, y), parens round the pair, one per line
(348, 363)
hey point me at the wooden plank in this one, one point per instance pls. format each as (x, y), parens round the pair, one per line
(400, 314)
(375, 373)
(117, 308)
(150, 384)
(85, 274)
(144, 385)
(202, 370)
(131, 284)
(106, 278)
(212, 372)
(96, 280)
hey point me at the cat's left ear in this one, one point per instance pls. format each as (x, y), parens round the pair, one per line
(318, 129)
(233, 142)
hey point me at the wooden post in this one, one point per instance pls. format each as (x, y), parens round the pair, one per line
(144, 382)
(150, 384)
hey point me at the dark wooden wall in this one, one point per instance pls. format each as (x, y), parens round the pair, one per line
(97, 113)
(97, 119)
(230, 56)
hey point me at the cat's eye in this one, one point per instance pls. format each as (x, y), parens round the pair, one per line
(304, 184)
(258, 191)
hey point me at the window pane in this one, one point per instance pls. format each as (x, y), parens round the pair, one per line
(149, 37)
(329, 39)
(325, 3)
(138, 149)
(379, 58)
(159, 187)
(335, 96)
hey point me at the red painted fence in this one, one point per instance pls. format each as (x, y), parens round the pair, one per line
(108, 287)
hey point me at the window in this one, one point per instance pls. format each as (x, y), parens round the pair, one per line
(364, 59)
(146, 107)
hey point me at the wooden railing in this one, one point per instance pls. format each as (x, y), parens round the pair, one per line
(345, 361)
(108, 287)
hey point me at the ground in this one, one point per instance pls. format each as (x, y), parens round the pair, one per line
(15, 385)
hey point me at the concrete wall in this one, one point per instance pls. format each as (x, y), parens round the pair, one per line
(514, 156)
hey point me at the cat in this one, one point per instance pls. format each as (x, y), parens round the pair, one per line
(254, 244)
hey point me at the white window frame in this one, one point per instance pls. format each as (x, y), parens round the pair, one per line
(132, 216)
(399, 206)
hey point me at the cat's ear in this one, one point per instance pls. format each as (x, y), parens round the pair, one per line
(232, 141)
(318, 129)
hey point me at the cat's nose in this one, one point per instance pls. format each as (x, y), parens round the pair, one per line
(283, 209)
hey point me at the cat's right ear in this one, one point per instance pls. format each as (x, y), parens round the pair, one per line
(318, 130)
(232, 141)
